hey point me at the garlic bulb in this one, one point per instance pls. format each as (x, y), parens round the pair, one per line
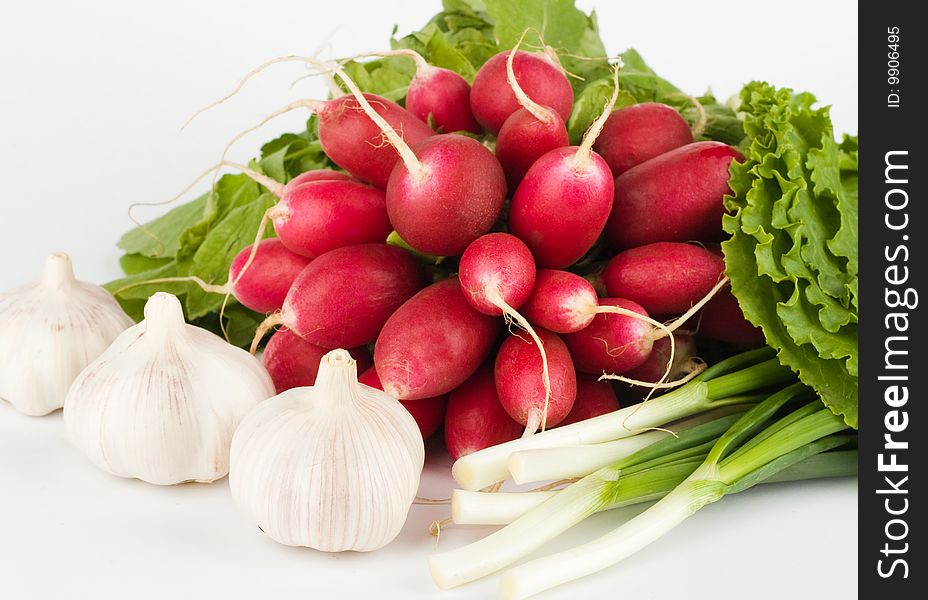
(49, 331)
(162, 402)
(334, 466)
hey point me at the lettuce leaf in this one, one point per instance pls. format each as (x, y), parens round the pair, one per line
(792, 257)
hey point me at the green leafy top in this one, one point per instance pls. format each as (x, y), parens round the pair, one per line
(792, 257)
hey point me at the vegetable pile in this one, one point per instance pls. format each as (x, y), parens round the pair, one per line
(586, 278)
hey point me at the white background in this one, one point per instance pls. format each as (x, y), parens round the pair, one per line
(93, 94)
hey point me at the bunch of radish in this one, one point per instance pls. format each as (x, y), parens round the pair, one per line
(601, 265)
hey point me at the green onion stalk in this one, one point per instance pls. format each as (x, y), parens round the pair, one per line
(684, 473)
(737, 380)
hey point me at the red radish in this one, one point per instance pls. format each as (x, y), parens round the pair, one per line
(518, 364)
(320, 215)
(439, 96)
(432, 343)
(293, 362)
(428, 412)
(654, 369)
(475, 419)
(561, 301)
(497, 274)
(675, 197)
(594, 398)
(612, 343)
(528, 133)
(493, 101)
(524, 138)
(640, 132)
(721, 319)
(263, 286)
(448, 192)
(664, 277)
(344, 297)
(564, 200)
(316, 175)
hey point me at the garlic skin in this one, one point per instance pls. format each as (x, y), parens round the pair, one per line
(49, 331)
(162, 402)
(334, 466)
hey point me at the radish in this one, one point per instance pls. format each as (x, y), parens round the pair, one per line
(520, 390)
(663, 277)
(432, 343)
(439, 96)
(263, 287)
(293, 362)
(528, 133)
(326, 211)
(721, 319)
(612, 343)
(640, 132)
(564, 200)
(675, 197)
(594, 398)
(492, 100)
(343, 298)
(448, 192)
(475, 419)
(428, 412)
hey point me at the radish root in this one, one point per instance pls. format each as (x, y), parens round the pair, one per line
(538, 111)
(691, 368)
(699, 123)
(251, 74)
(679, 321)
(269, 323)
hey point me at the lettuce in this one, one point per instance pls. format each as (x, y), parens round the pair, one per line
(792, 256)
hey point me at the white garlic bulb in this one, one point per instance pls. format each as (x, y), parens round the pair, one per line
(334, 466)
(162, 402)
(49, 331)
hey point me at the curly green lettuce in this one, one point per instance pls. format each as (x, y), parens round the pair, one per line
(792, 256)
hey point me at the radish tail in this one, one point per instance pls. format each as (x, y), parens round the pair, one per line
(245, 79)
(206, 287)
(265, 326)
(671, 327)
(313, 105)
